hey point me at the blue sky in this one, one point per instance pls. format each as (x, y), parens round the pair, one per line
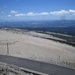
(17, 10)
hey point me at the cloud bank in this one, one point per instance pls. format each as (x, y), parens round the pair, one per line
(32, 14)
(55, 13)
(59, 13)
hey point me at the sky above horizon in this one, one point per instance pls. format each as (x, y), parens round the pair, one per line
(21, 10)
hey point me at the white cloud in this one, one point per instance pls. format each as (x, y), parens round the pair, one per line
(55, 13)
(13, 12)
(30, 14)
(72, 12)
(44, 13)
(59, 13)
(19, 15)
(9, 15)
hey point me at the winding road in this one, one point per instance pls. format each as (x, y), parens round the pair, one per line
(37, 66)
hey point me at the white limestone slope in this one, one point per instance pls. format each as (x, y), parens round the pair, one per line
(27, 46)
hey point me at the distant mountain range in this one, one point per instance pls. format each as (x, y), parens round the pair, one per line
(59, 26)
